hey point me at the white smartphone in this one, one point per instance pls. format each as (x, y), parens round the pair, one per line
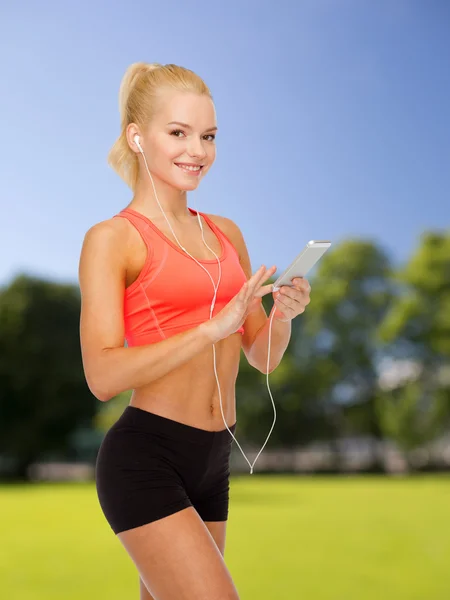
(307, 258)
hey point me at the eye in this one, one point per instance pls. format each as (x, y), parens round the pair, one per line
(211, 135)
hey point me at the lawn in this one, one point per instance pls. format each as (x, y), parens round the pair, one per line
(317, 538)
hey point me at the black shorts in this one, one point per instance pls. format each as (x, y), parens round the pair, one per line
(149, 467)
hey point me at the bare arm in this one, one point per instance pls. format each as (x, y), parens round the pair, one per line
(257, 320)
(109, 367)
(123, 369)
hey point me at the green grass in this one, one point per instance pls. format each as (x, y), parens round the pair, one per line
(314, 538)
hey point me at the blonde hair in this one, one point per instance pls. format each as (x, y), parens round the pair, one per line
(140, 89)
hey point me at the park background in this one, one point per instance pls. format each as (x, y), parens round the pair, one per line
(333, 124)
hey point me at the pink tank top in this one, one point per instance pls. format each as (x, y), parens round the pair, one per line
(172, 292)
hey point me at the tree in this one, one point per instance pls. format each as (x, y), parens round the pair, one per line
(44, 397)
(410, 418)
(349, 297)
(416, 331)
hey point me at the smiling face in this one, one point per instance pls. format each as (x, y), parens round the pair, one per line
(166, 142)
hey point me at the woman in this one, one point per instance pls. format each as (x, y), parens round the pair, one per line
(162, 471)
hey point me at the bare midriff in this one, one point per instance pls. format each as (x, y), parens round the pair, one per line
(190, 393)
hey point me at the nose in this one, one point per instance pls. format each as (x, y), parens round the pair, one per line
(196, 149)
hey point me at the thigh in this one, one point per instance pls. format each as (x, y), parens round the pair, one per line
(144, 594)
(177, 557)
(218, 531)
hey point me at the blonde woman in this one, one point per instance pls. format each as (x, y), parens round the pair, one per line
(162, 471)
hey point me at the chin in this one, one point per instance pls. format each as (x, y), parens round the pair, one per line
(186, 186)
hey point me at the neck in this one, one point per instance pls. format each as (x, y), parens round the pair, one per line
(173, 201)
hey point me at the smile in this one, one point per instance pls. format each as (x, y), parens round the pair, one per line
(190, 170)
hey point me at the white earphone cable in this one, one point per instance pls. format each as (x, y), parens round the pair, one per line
(136, 139)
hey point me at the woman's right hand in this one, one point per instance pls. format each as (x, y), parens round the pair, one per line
(233, 314)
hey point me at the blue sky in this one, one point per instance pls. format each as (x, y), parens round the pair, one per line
(333, 120)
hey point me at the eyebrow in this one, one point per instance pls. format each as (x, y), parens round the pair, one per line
(188, 126)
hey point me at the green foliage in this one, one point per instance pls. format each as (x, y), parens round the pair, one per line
(409, 418)
(43, 392)
(420, 314)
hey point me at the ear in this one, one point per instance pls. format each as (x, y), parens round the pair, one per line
(131, 132)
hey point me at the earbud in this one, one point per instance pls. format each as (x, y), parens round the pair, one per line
(137, 140)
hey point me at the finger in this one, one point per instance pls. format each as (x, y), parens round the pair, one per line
(265, 275)
(290, 292)
(263, 290)
(242, 295)
(261, 275)
(251, 283)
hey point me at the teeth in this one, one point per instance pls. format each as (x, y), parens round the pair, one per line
(189, 168)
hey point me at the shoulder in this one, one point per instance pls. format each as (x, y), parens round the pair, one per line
(110, 230)
(231, 229)
(234, 233)
(111, 236)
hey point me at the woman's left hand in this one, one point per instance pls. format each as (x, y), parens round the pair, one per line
(291, 301)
